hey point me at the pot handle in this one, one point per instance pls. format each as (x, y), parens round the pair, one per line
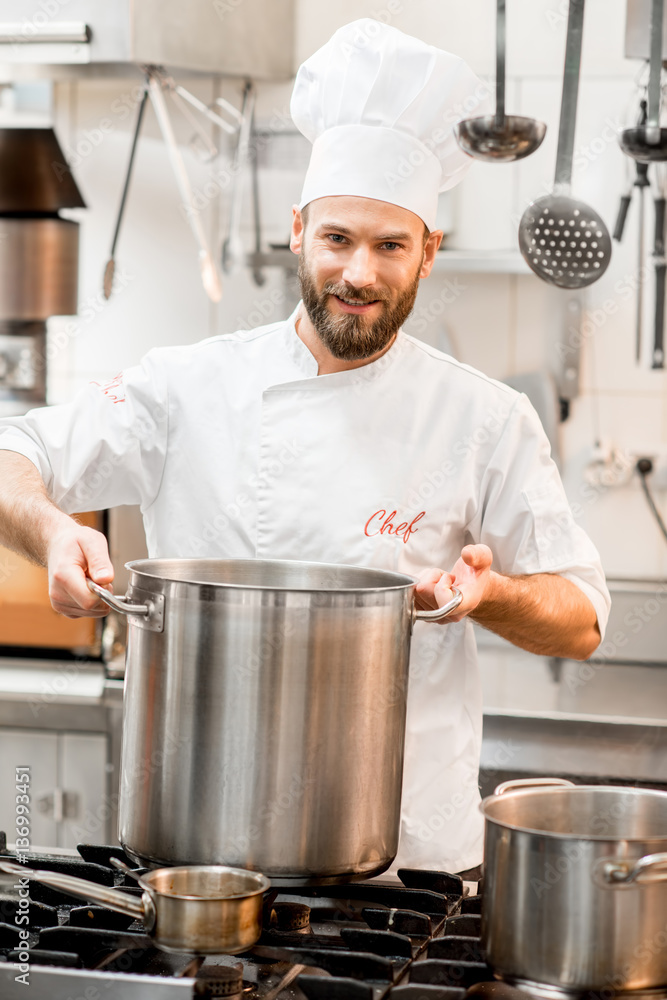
(439, 613)
(81, 887)
(120, 604)
(619, 872)
(510, 786)
(150, 614)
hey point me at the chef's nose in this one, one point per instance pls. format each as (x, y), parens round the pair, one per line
(359, 267)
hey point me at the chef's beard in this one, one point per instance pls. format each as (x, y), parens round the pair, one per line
(347, 336)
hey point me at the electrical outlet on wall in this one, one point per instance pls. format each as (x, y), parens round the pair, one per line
(657, 478)
(608, 465)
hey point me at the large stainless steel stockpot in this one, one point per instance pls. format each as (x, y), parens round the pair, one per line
(264, 715)
(575, 886)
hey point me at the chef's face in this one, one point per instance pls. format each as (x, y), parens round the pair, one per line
(360, 263)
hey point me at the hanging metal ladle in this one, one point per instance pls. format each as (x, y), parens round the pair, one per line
(500, 137)
(648, 143)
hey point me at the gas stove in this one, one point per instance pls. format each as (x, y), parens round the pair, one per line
(360, 941)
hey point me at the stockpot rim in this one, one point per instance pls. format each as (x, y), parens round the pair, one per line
(572, 790)
(400, 580)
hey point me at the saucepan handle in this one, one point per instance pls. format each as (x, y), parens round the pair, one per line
(510, 786)
(439, 613)
(150, 614)
(112, 898)
(613, 873)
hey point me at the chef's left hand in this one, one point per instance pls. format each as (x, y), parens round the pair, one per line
(471, 574)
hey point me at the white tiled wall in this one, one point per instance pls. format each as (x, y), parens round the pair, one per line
(499, 323)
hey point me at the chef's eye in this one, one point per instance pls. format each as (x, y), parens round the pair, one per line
(336, 237)
(390, 245)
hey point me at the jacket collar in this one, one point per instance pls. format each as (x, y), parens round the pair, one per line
(306, 363)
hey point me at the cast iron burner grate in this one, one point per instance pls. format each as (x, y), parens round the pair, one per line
(357, 941)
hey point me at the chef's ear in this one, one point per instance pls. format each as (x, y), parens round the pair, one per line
(298, 226)
(433, 241)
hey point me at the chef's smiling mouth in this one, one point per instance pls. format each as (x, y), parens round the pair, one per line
(355, 305)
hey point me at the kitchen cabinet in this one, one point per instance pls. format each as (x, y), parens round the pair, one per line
(39, 753)
(69, 802)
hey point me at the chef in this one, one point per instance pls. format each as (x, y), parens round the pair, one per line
(333, 436)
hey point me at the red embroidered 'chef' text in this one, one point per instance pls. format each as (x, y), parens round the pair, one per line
(384, 524)
(113, 390)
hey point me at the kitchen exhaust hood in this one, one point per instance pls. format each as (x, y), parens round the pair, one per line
(248, 38)
(39, 256)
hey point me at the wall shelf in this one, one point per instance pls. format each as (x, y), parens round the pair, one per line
(447, 261)
(480, 262)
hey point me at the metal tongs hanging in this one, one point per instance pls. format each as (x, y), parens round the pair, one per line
(232, 248)
(110, 269)
(157, 83)
(209, 272)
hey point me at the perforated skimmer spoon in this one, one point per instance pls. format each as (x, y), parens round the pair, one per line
(564, 241)
(500, 137)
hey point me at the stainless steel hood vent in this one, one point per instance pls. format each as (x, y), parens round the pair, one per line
(39, 259)
(34, 175)
(248, 38)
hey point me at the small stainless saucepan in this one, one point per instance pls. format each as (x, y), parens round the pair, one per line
(198, 909)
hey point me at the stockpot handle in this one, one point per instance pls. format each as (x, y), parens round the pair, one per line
(140, 909)
(120, 604)
(439, 613)
(149, 616)
(619, 872)
(510, 786)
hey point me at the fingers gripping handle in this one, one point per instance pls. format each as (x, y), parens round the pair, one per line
(439, 613)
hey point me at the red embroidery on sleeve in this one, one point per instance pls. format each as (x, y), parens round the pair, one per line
(113, 389)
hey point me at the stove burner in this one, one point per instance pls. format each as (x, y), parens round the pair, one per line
(219, 981)
(290, 916)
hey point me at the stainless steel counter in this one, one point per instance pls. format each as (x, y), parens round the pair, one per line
(602, 719)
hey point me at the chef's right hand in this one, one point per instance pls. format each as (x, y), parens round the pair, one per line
(77, 552)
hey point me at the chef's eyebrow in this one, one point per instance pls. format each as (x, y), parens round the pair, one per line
(386, 238)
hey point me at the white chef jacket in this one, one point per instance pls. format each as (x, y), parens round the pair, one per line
(234, 447)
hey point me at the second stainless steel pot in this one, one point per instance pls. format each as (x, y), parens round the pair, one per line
(264, 715)
(575, 886)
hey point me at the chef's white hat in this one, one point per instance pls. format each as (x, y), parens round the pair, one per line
(379, 107)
